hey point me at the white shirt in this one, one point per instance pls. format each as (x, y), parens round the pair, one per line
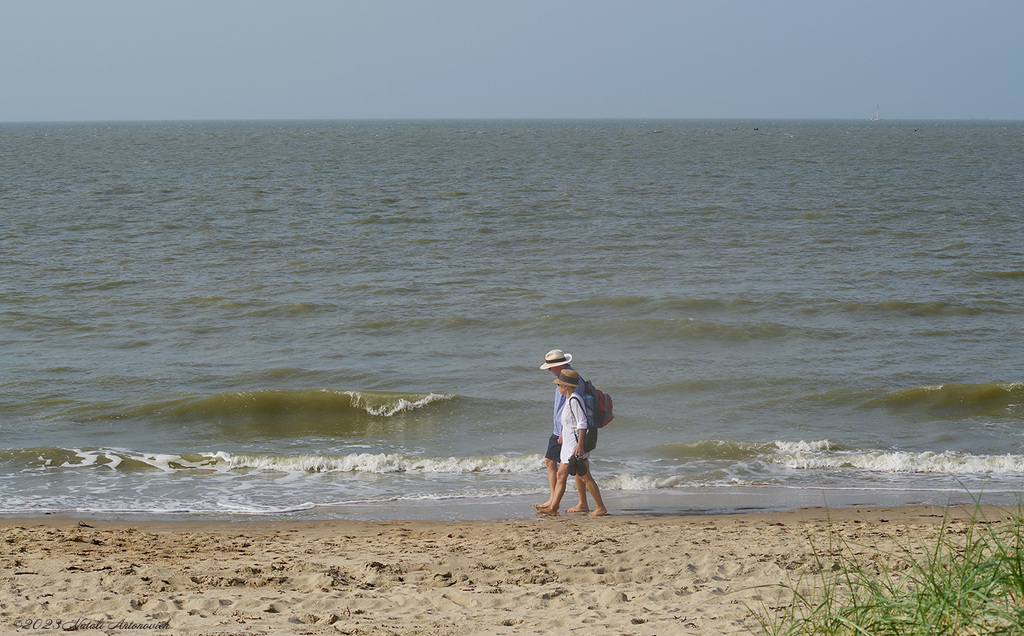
(574, 419)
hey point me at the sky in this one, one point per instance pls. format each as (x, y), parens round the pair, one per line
(133, 60)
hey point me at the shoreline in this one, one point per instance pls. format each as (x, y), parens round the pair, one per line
(637, 574)
(810, 514)
(670, 502)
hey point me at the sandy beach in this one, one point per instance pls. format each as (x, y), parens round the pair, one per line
(698, 574)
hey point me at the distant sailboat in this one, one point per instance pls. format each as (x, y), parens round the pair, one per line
(876, 117)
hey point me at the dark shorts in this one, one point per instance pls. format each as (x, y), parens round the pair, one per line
(554, 449)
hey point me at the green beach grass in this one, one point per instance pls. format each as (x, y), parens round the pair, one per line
(969, 579)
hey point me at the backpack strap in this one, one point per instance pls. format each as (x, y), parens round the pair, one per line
(588, 391)
(583, 408)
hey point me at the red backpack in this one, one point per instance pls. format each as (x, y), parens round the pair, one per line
(598, 404)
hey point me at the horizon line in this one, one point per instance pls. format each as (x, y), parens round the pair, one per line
(486, 119)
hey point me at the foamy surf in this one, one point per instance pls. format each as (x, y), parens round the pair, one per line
(898, 462)
(121, 460)
(380, 463)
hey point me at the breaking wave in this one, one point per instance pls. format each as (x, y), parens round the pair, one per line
(223, 462)
(992, 399)
(822, 455)
(279, 412)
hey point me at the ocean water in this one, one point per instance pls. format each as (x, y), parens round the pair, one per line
(346, 319)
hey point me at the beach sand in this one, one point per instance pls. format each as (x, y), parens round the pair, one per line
(697, 574)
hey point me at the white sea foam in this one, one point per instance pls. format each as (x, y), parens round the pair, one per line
(804, 446)
(20, 506)
(401, 405)
(164, 462)
(122, 460)
(629, 481)
(382, 463)
(264, 510)
(947, 462)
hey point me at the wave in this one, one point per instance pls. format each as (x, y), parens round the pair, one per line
(49, 457)
(687, 306)
(1017, 273)
(919, 309)
(715, 449)
(275, 402)
(990, 399)
(825, 454)
(381, 463)
(278, 412)
(611, 301)
(901, 462)
(683, 328)
(739, 305)
(32, 505)
(125, 461)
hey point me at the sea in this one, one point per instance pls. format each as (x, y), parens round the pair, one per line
(346, 319)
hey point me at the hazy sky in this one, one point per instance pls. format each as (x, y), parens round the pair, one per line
(76, 60)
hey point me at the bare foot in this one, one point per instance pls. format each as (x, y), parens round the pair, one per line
(578, 509)
(600, 512)
(548, 511)
(546, 504)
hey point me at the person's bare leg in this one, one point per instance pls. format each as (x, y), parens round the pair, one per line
(556, 500)
(552, 467)
(595, 492)
(581, 488)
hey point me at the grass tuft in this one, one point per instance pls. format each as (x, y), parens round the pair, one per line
(970, 580)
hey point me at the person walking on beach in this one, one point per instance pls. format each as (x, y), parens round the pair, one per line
(555, 361)
(574, 461)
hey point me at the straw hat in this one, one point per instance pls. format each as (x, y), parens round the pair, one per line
(568, 377)
(555, 358)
